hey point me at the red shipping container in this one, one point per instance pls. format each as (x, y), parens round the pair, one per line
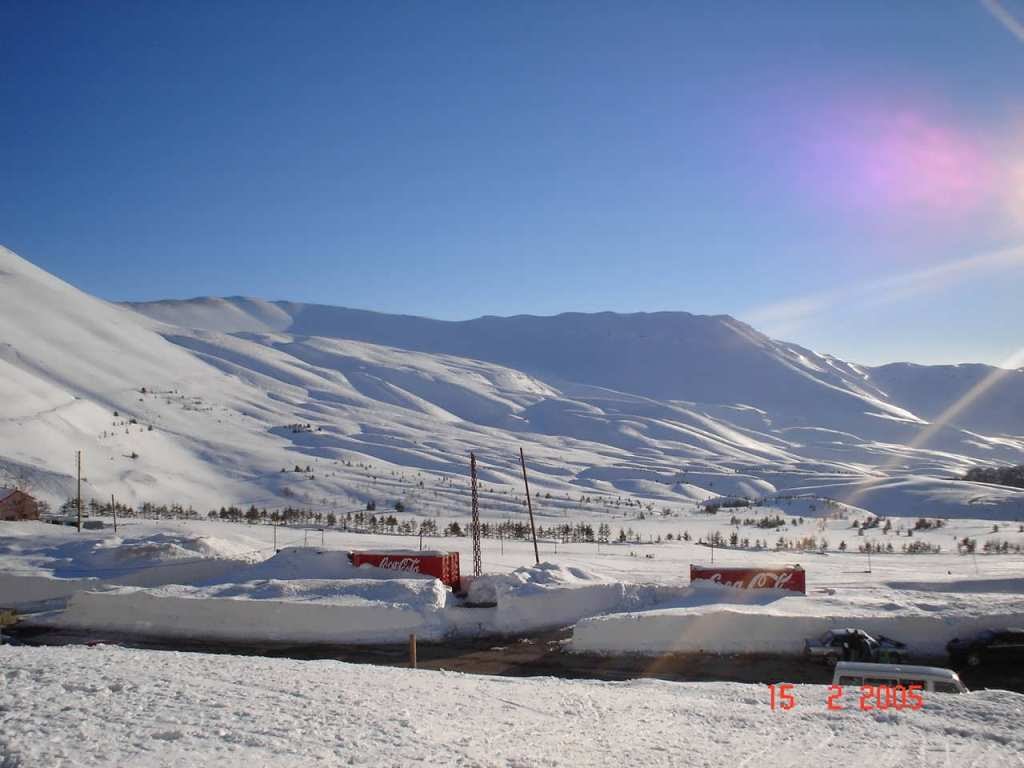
(440, 565)
(792, 578)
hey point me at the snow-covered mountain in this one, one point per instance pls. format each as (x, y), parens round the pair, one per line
(667, 356)
(666, 406)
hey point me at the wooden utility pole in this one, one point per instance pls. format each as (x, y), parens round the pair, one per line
(78, 464)
(412, 651)
(529, 506)
(113, 511)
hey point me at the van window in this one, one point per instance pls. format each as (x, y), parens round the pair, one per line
(908, 683)
(879, 681)
(845, 680)
(945, 686)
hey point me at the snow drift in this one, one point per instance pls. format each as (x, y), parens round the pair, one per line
(314, 613)
(715, 619)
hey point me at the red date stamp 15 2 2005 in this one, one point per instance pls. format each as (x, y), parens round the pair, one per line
(872, 697)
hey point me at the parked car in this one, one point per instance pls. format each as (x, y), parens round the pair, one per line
(855, 645)
(992, 646)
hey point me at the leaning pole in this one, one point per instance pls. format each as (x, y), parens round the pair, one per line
(529, 506)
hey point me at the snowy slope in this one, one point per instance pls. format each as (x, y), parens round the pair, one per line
(668, 408)
(69, 361)
(107, 706)
(663, 355)
(931, 389)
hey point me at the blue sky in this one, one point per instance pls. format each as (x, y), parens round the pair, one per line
(840, 174)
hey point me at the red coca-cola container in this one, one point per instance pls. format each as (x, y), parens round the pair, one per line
(789, 577)
(440, 565)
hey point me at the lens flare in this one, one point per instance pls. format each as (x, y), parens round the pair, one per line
(1002, 14)
(788, 316)
(1016, 185)
(1014, 361)
(899, 160)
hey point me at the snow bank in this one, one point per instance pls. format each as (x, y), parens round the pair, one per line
(50, 571)
(108, 706)
(318, 596)
(45, 563)
(1011, 585)
(419, 594)
(309, 563)
(536, 579)
(61, 552)
(353, 605)
(298, 595)
(773, 624)
(548, 596)
(315, 611)
(20, 590)
(114, 553)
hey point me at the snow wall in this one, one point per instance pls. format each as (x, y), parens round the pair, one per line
(736, 629)
(21, 590)
(139, 612)
(372, 606)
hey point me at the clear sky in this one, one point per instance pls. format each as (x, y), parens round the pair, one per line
(847, 175)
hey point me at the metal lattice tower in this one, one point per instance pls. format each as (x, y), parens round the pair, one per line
(475, 525)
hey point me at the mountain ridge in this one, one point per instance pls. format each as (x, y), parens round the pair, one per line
(785, 367)
(156, 308)
(166, 411)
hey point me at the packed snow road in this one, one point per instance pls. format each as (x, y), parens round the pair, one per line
(541, 654)
(105, 706)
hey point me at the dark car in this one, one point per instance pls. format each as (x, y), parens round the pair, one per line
(992, 646)
(855, 645)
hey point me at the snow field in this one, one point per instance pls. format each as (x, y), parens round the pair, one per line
(275, 597)
(106, 706)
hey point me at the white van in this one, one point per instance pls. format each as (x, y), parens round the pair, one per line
(931, 679)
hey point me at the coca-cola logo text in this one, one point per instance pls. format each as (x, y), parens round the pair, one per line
(749, 579)
(400, 564)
